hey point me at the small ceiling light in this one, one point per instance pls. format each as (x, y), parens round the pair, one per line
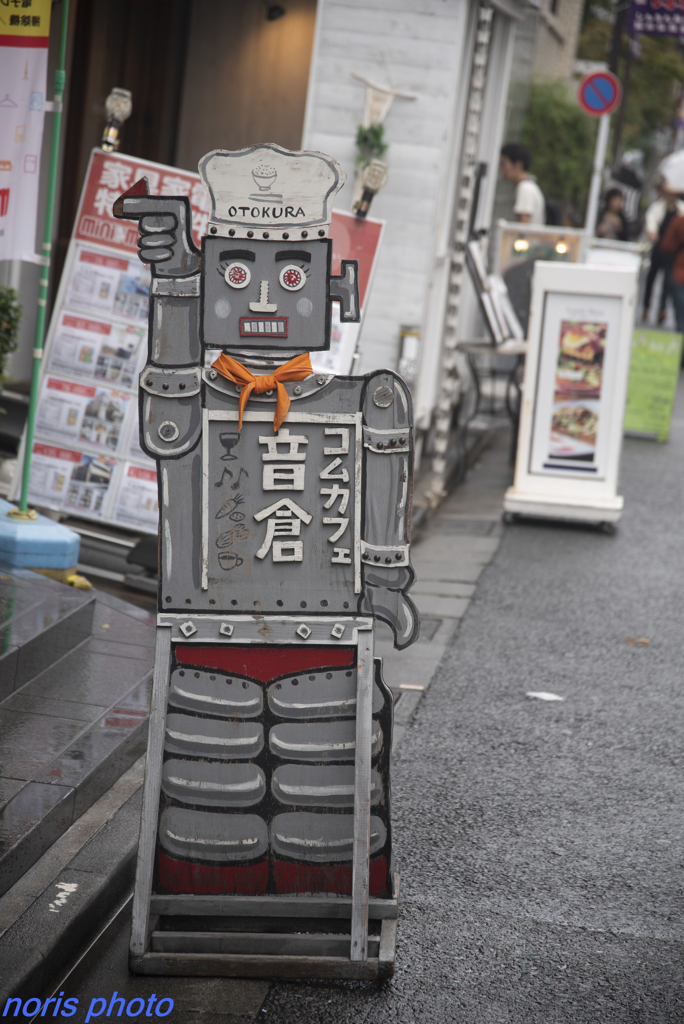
(274, 12)
(521, 245)
(561, 247)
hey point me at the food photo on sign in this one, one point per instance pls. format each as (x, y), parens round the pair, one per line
(579, 375)
(573, 405)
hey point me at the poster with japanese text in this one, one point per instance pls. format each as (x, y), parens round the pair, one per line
(136, 503)
(24, 37)
(81, 414)
(98, 349)
(109, 285)
(70, 481)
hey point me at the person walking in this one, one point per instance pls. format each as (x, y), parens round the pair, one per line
(529, 206)
(672, 243)
(659, 215)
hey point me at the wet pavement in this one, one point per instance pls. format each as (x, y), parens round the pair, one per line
(540, 842)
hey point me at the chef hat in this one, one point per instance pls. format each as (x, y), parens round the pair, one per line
(269, 192)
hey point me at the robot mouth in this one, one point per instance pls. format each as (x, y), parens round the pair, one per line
(274, 327)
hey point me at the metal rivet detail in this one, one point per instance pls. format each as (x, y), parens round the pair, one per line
(231, 232)
(213, 230)
(181, 386)
(388, 561)
(402, 440)
(188, 628)
(268, 393)
(265, 234)
(303, 631)
(376, 558)
(149, 382)
(305, 234)
(213, 374)
(320, 380)
(238, 388)
(250, 234)
(365, 555)
(286, 234)
(168, 431)
(398, 556)
(338, 630)
(379, 446)
(226, 629)
(321, 233)
(383, 396)
(297, 389)
(165, 387)
(393, 443)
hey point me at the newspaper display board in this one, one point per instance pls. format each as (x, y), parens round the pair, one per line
(574, 393)
(87, 459)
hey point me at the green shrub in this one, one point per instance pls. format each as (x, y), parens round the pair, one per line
(10, 318)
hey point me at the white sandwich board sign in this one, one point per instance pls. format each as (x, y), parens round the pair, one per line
(574, 393)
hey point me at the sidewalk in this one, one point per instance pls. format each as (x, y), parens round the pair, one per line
(540, 842)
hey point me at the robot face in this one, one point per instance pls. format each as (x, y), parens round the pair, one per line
(266, 295)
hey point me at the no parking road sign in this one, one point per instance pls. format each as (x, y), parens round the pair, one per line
(599, 93)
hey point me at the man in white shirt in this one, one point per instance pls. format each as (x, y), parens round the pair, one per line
(530, 205)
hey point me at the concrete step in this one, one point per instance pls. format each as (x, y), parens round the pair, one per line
(75, 894)
(40, 621)
(73, 727)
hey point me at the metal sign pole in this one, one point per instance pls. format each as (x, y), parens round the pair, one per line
(595, 188)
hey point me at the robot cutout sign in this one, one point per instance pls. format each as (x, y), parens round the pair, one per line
(284, 517)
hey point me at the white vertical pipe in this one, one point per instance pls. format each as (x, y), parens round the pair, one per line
(596, 177)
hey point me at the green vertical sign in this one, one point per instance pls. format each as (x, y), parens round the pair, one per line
(653, 375)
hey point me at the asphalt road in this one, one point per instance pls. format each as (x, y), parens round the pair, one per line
(540, 843)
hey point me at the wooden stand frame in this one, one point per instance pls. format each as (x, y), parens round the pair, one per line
(252, 941)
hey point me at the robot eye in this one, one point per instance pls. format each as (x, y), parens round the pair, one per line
(292, 278)
(237, 275)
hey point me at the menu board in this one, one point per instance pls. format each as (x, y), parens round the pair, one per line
(573, 394)
(653, 377)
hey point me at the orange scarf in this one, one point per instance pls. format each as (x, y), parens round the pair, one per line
(295, 369)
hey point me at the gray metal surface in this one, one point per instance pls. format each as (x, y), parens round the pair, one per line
(213, 785)
(320, 741)
(215, 693)
(320, 838)
(218, 837)
(541, 876)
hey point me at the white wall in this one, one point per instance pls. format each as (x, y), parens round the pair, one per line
(421, 44)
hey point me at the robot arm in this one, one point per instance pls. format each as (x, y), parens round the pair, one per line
(388, 456)
(170, 420)
(165, 231)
